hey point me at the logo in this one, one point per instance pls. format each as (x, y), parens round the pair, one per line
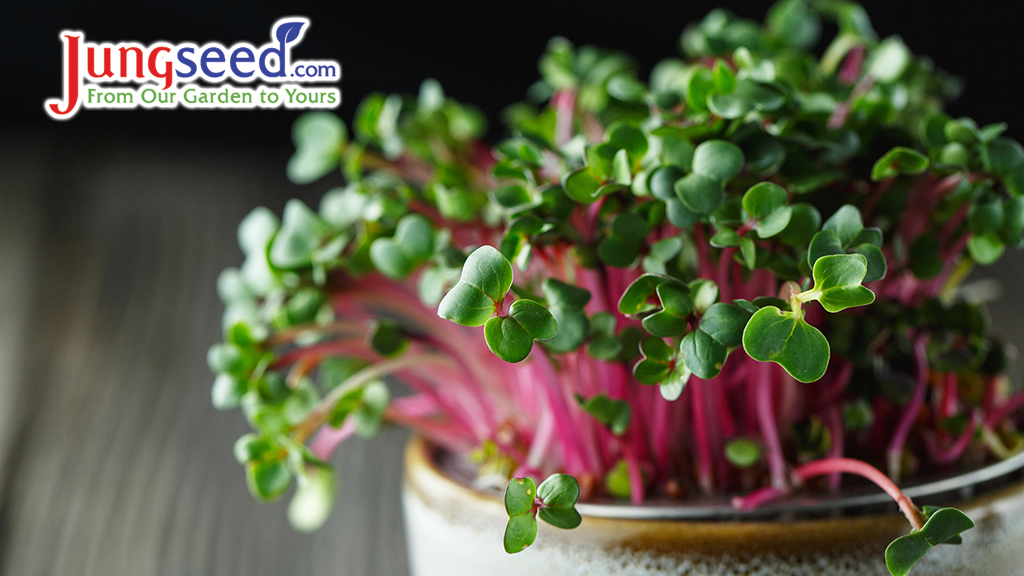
(128, 75)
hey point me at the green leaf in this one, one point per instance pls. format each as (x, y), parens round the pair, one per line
(626, 136)
(717, 159)
(676, 307)
(888, 60)
(986, 248)
(672, 386)
(256, 231)
(704, 356)
(519, 496)
(772, 335)
(520, 533)
(845, 223)
(614, 414)
(837, 282)
(700, 193)
(566, 303)
(319, 138)
(824, 243)
(657, 361)
(313, 500)
(743, 452)
(298, 238)
(725, 322)
(625, 238)
(635, 298)
(412, 245)
(268, 479)
(486, 278)
(875, 259)
(559, 491)
(944, 526)
(748, 250)
(604, 345)
(511, 338)
(387, 338)
(369, 414)
(581, 186)
(762, 199)
(898, 161)
(616, 481)
(564, 518)
(227, 391)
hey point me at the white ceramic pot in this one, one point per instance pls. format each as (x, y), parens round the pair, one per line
(453, 530)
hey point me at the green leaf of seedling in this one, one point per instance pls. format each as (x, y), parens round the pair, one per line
(875, 259)
(943, 526)
(718, 160)
(369, 414)
(564, 518)
(704, 356)
(986, 248)
(772, 335)
(387, 338)
(566, 303)
(256, 231)
(520, 533)
(763, 199)
(898, 161)
(725, 238)
(824, 243)
(626, 235)
(705, 293)
(748, 251)
(581, 186)
(626, 136)
(676, 308)
(724, 322)
(657, 361)
(313, 500)
(663, 180)
(635, 299)
(486, 278)
(604, 345)
(614, 414)
(521, 530)
(743, 453)
(511, 338)
(699, 193)
(804, 221)
(227, 391)
(519, 496)
(268, 479)
(412, 245)
(837, 282)
(298, 238)
(616, 481)
(319, 138)
(672, 386)
(845, 223)
(559, 491)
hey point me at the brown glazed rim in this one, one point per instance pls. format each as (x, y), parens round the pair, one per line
(987, 482)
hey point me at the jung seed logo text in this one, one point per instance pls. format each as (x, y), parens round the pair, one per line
(127, 75)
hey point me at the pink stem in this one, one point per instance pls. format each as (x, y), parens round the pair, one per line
(860, 468)
(895, 451)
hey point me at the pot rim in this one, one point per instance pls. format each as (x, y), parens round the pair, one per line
(987, 481)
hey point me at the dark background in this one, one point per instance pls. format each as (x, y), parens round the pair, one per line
(485, 54)
(115, 224)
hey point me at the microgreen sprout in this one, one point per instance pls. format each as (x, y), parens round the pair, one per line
(740, 272)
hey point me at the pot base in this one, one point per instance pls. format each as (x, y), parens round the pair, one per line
(453, 530)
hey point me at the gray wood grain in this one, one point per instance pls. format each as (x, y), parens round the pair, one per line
(118, 463)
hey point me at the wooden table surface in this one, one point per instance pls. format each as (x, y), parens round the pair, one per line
(113, 461)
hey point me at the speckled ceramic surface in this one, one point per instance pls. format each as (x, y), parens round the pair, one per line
(453, 531)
